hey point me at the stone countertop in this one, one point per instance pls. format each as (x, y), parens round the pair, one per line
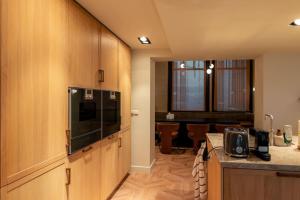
(282, 158)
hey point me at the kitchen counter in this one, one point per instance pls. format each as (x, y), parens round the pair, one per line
(282, 158)
(251, 178)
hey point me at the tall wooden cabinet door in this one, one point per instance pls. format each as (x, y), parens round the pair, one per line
(85, 174)
(124, 156)
(109, 166)
(125, 84)
(33, 85)
(50, 185)
(83, 48)
(109, 59)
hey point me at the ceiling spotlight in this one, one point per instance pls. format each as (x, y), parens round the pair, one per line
(144, 40)
(182, 65)
(208, 71)
(211, 66)
(296, 22)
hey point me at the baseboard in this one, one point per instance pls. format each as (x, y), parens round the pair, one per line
(137, 168)
(118, 187)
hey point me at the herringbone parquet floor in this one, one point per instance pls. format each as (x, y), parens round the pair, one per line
(170, 179)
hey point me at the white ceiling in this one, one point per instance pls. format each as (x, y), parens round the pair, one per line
(203, 29)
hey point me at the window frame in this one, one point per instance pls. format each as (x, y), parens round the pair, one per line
(209, 93)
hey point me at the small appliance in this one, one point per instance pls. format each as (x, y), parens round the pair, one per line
(236, 142)
(262, 145)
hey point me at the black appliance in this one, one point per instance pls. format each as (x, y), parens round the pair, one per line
(236, 142)
(93, 115)
(111, 112)
(262, 145)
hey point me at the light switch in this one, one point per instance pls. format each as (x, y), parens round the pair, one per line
(135, 112)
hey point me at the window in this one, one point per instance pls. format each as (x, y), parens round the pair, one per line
(232, 85)
(227, 89)
(188, 86)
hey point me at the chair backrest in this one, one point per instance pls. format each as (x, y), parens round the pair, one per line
(166, 127)
(220, 128)
(198, 130)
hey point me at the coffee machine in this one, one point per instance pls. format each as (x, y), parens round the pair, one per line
(262, 145)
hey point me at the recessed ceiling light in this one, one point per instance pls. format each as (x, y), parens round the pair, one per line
(296, 22)
(144, 40)
(182, 65)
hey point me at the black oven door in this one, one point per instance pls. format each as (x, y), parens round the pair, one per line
(111, 115)
(84, 117)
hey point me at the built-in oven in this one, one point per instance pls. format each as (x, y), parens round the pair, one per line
(85, 117)
(111, 112)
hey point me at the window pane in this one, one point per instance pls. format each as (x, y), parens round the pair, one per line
(195, 64)
(232, 85)
(188, 87)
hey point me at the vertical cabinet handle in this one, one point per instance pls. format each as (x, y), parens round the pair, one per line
(120, 142)
(68, 173)
(101, 75)
(68, 138)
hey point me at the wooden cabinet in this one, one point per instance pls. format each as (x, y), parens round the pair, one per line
(260, 184)
(125, 84)
(109, 165)
(47, 184)
(47, 46)
(85, 173)
(124, 155)
(83, 48)
(249, 184)
(109, 59)
(33, 86)
(214, 176)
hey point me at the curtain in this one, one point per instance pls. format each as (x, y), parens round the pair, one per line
(232, 85)
(188, 87)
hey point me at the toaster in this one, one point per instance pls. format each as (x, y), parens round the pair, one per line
(236, 142)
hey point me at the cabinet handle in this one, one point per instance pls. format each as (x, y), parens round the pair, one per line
(120, 142)
(87, 149)
(288, 174)
(68, 173)
(101, 75)
(111, 137)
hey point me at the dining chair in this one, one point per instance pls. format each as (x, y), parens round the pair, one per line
(168, 131)
(197, 133)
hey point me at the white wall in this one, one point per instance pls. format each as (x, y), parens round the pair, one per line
(277, 90)
(143, 99)
(161, 86)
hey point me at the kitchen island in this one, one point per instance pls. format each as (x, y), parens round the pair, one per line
(252, 178)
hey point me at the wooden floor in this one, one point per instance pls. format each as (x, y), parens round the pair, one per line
(170, 179)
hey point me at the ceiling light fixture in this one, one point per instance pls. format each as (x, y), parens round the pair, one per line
(296, 22)
(209, 71)
(182, 65)
(144, 40)
(211, 66)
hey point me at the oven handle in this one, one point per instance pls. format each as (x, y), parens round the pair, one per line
(87, 149)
